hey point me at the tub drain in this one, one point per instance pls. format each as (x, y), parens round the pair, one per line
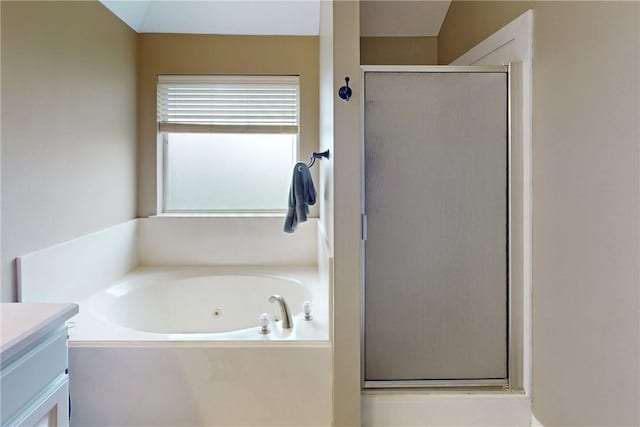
(217, 312)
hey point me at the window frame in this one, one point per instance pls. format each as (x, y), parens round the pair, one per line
(162, 163)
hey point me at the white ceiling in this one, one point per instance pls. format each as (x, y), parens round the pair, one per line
(402, 18)
(259, 17)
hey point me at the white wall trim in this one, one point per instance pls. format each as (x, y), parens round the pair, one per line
(431, 69)
(520, 32)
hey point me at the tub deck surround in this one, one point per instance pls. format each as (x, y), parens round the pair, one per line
(185, 303)
(197, 385)
(109, 270)
(76, 269)
(128, 365)
(223, 240)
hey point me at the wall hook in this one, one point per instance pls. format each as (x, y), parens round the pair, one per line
(345, 91)
(314, 156)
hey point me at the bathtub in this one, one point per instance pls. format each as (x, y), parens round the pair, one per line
(202, 304)
(168, 346)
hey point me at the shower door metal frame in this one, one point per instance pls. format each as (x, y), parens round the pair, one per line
(442, 383)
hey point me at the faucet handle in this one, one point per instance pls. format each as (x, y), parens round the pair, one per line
(264, 321)
(306, 308)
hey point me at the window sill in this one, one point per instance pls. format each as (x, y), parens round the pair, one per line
(220, 215)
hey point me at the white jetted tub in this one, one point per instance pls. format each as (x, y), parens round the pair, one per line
(180, 346)
(202, 303)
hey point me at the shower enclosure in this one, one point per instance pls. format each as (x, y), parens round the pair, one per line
(435, 241)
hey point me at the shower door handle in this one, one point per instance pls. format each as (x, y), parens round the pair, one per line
(363, 226)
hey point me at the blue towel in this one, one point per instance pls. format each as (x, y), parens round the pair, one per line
(301, 194)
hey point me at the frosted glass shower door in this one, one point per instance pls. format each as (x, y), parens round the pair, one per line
(435, 197)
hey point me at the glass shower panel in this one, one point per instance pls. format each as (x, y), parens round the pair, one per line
(436, 190)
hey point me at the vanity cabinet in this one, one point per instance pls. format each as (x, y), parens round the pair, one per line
(34, 380)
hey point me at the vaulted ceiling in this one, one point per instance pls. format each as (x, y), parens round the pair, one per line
(275, 17)
(264, 17)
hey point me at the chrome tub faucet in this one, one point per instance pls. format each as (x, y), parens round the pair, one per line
(287, 322)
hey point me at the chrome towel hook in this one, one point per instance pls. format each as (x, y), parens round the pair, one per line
(345, 91)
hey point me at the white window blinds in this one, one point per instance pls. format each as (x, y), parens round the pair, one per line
(228, 104)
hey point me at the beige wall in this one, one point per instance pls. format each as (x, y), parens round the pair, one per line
(214, 54)
(346, 293)
(398, 50)
(586, 201)
(68, 125)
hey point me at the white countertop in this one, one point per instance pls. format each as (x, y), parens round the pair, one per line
(24, 323)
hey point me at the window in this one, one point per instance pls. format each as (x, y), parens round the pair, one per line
(229, 142)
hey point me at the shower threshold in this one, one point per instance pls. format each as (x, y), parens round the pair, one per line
(437, 383)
